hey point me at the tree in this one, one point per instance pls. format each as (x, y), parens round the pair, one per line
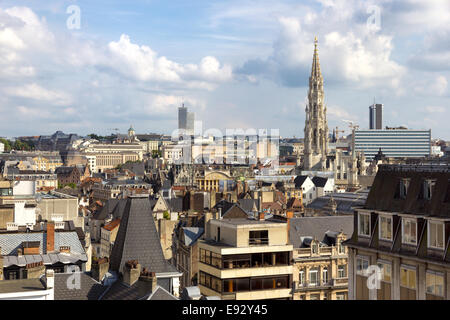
(7, 144)
(166, 215)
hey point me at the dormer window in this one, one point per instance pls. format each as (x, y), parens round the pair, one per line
(426, 192)
(402, 190)
(409, 231)
(386, 228)
(435, 234)
(364, 224)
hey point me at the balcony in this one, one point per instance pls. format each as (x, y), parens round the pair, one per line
(313, 285)
(340, 282)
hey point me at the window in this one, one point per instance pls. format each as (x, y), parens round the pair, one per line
(324, 275)
(314, 297)
(426, 191)
(435, 283)
(342, 271)
(386, 228)
(364, 224)
(341, 296)
(409, 231)
(408, 277)
(313, 277)
(404, 185)
(386, 271)
(435, 234)
(260, 237)
(301, 277)
(362, 264)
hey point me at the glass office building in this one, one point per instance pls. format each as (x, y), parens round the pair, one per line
(396, 143)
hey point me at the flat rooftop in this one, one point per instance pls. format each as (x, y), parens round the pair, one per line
(22, 285)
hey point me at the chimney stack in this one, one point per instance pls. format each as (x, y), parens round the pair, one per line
(149, 282)
(50, 237)
(99, 268)
(50, 279)
(261, 216)
(132, 271)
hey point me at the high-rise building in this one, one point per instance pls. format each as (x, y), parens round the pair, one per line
(376, 116)
(395, 143)
(190, 120)
(182, 117)
(316, 125)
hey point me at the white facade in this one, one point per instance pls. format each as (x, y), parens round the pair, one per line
(24, 188)
(2, 147)
(24, 216)
(309, 191)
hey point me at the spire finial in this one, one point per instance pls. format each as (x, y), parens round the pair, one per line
(315, 41)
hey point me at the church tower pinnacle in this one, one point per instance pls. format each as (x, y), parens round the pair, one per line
(316, 125)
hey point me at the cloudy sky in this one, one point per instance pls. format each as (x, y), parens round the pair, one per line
(237, 63)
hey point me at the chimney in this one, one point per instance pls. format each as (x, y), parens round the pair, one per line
(289, 215)
(132, 271)
(261, 216)
(35, 270)
(50, 237)
(149, 283)
(99, 268)
(50, 279)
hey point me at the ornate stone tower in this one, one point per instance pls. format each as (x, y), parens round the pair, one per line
(316, 125)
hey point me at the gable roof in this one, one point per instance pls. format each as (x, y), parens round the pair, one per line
(299, 180)
(89, 289)
(319, 181)
(235, 212)
(138, 239)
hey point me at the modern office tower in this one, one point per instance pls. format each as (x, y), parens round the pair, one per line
(376, 116)
(182, 117)
(190, 120)
(396, 143)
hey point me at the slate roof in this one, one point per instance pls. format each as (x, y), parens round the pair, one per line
(317, 227)
(138, 291)
(346, 201)
(21, 285)
(161, 294)
(319, 182)
(247, 204)
(191, 235)
(299, 180)
(89, 289)
(138, 239)
(137, 168)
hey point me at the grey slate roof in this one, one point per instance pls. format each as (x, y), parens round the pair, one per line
(138, 239)
(319, 181)
(191, 235)
(161, 294)
(137, 168)
(317, 227)
(89, 289)
(247, 204)
(299, 180)
(139, 290)
(176, 204)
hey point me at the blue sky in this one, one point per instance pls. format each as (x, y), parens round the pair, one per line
(237, 64)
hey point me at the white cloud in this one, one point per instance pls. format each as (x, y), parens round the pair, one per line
(36, 92)
(144, 64)
(434, 109)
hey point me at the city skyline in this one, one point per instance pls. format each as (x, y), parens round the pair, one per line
(223, 61)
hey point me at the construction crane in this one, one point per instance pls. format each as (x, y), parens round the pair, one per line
(352, 125)
(337, 133)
